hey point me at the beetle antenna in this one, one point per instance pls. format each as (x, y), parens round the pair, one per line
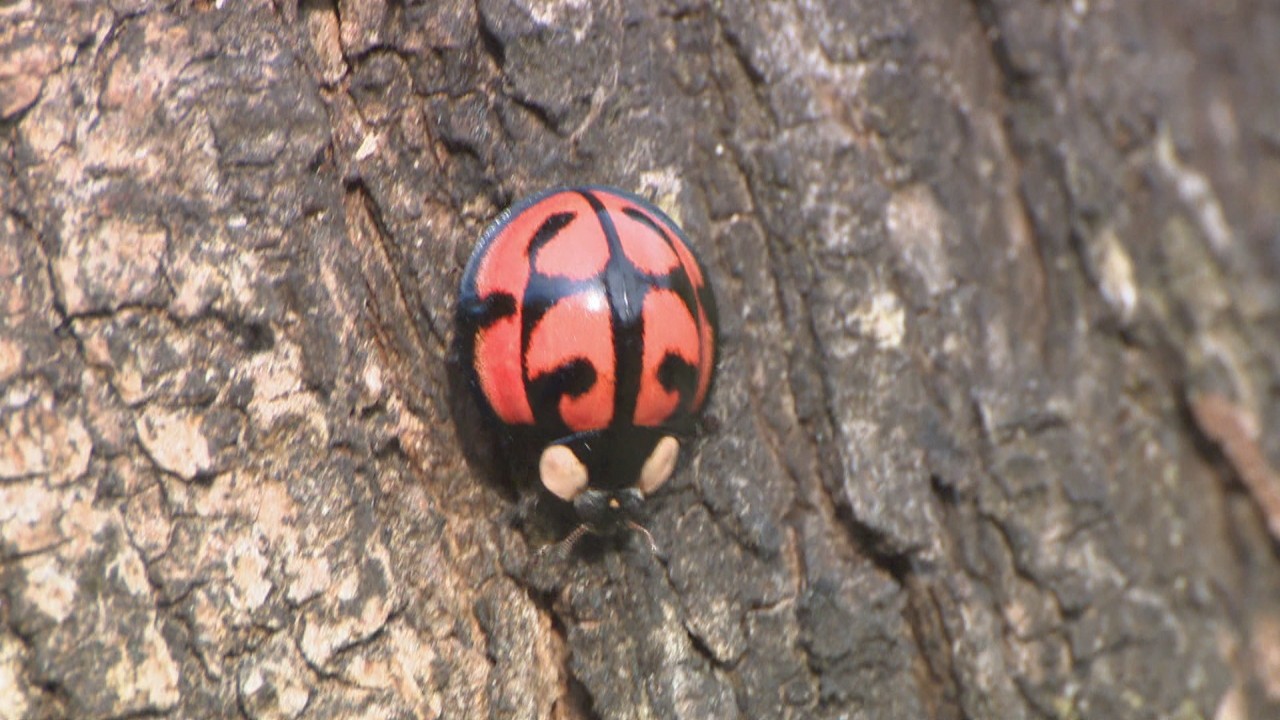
(565, 546)
(653, 546)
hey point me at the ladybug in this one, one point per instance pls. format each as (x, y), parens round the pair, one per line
(587, 329)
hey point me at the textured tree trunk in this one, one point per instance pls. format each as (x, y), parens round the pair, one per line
(997, 409)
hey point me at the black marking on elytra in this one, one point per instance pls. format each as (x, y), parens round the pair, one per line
(542, 292)
(645, 219)
(573, 378)
(548, 230)
(677, 280)
(483, 312)
(675, 373)
(680, 376)
(694, 298)
(626, 287)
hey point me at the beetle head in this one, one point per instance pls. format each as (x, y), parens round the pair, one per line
(605, 504)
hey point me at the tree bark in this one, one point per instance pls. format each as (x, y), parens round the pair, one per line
(997, 404)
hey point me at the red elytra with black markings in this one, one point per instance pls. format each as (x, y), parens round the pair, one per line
(586, 322)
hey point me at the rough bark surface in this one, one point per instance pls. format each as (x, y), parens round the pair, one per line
(998, 403)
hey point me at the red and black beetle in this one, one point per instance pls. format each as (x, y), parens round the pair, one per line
(587, 324)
